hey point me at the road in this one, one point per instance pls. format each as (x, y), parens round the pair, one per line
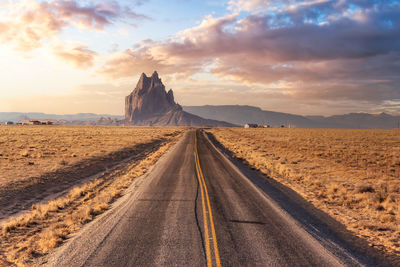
(195, 208)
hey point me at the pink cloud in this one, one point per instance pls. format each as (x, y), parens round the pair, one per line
(79, 55)
(30, 22)
(133, 61)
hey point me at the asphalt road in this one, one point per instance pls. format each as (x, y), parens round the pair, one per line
(195, 208)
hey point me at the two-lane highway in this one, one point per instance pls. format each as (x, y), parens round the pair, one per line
(195, 209)
(207, 213)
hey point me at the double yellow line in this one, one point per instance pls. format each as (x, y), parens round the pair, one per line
(204, 191)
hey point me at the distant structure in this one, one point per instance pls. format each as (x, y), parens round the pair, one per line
(23, 122)
(9, 123)
(46, 122)
(35, 122)
(251, 125)
(254, 125)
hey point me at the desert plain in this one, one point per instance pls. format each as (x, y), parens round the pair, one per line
(353, 175)
(55, 179)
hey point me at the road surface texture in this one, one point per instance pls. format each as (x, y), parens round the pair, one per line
(196, 208)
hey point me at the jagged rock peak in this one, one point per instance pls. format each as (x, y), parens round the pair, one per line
(143, 83)
(170, 96)
(148, 99)
(146, 82)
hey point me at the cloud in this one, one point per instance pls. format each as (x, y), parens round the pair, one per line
(3, 28)
(92, 17)
(317, 49)
(95, 16)
(254, 36)
(149, 55)
(27, 23)
(133, 61)
(247, 5)
(77, 54)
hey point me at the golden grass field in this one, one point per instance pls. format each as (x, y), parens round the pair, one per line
(44, 225)
(31, 151)
(353, 175)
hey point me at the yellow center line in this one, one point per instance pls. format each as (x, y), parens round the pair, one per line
(207, 239)
(217, 258)
(203, 183)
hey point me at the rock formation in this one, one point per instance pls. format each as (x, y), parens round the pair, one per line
(150, 104)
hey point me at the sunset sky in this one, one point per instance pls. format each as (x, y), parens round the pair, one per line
(304, 57)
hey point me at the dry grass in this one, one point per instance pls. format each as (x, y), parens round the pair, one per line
(27, 151)
(354, 175)
(68, 156)
(46, 226)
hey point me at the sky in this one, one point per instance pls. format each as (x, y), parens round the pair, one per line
(314, 57)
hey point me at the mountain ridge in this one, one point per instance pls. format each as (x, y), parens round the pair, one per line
(242, 114)
(17, 116)
(349, 120)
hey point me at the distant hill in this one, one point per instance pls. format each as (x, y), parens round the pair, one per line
(17, 116)
(248, 114)
(241, 115)
(362, 121)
